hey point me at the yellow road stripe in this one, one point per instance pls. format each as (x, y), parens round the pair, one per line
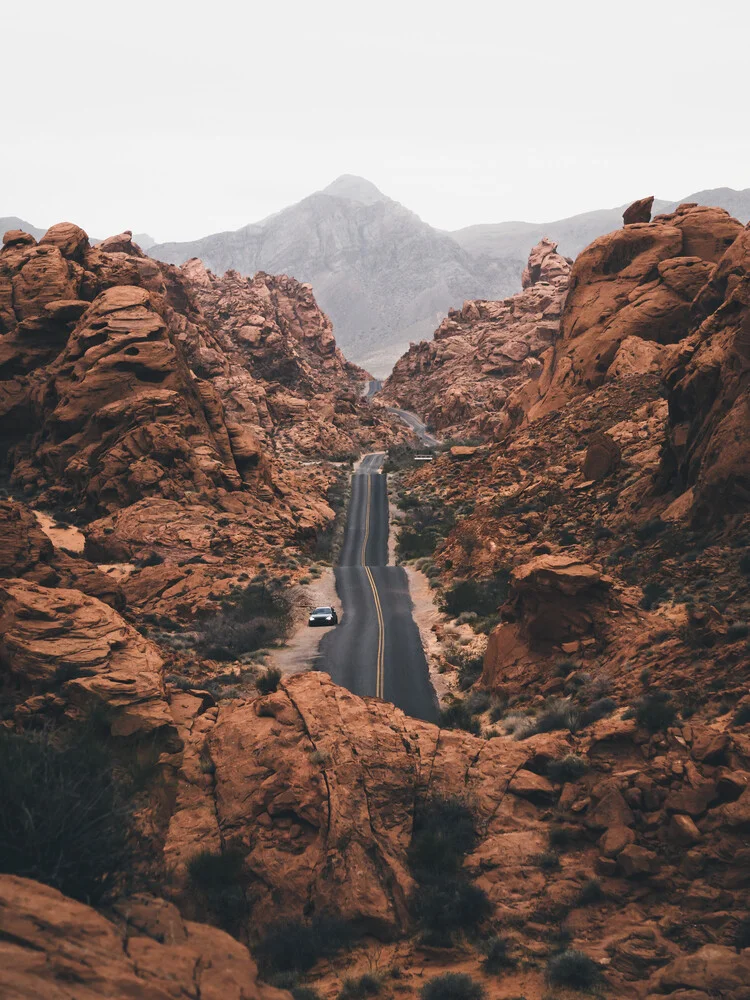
(380, 671)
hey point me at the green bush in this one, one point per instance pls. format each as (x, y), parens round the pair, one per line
(452, 986)
(268, 682)
(218, 881)
(574, 969)
(447, 904)
(64, 819)
(497, 955)
(571, 767)
(294, 946)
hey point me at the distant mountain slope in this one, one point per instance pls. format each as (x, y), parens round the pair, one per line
(13, 222)
(385, 277)
(501, 240)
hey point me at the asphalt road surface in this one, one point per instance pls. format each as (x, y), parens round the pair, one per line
(376, 649)
(419, 427)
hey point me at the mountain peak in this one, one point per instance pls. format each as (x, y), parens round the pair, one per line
(355, 189)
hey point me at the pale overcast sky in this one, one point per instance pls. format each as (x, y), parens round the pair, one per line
(182, 118)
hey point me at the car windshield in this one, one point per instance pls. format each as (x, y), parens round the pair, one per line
(322, 611)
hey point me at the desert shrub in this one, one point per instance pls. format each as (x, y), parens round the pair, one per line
(653, 595)
(305, 993)
(744, 564)
(426, 525)
(445, 902)
(547, 860)
(444, 905)
(363, 986)
(564, 667)
(65, 819)
(401, 456)
(478, 702)
(443, 835)
(738, 631)
(561, 836)
(601, 532)
(458, 716)
(598, 709)
(518, 725)
(571, 767)
(591, 892)
(742, 934)
(496, 713)
(268, 682)
(217, 879)
(253, 617)
(481, 596)
(497, 956)
(650, 529)
(558, 714)
(224, 638)
(452, 986)
(295, 946)
(469, 670)
(573, 968)
(742, 715)
(655, 711)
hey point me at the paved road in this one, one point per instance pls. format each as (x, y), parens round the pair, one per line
(376, 650)
(419, 427)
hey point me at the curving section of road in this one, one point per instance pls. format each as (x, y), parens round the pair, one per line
(376, 650)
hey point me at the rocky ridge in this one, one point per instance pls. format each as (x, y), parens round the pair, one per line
(459, 381)
(605, 781)
(127, 408)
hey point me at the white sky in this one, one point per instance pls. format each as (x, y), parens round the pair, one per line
(183, 118)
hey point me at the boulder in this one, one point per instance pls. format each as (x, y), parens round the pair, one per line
(602, 457)
(64, 640)
(715, 969)
(637, 861)
(59, 948)
(639, 211)
(551, 593)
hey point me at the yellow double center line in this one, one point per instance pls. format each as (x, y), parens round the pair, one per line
(379, 672)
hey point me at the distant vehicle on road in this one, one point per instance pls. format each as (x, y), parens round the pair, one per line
(323, 616)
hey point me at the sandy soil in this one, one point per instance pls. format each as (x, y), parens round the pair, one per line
(62, 536)
(301, 649)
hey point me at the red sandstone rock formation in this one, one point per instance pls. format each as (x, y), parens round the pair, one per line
(480, 354)
(56, 947)
(118, 389)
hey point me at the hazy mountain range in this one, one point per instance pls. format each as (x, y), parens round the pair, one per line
(383, 275)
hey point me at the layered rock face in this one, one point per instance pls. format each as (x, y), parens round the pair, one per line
(480, 354)
(632, 291)
(121, 395)
(57, 947)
